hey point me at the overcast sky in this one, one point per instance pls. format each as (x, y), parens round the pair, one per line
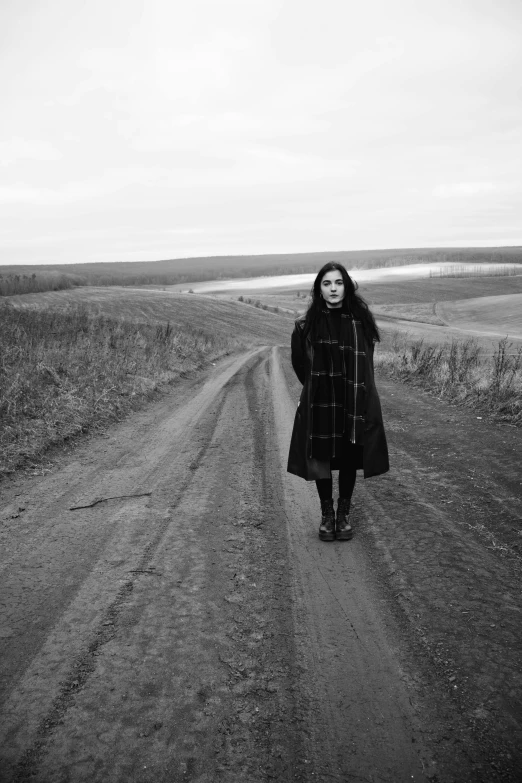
(144, 129)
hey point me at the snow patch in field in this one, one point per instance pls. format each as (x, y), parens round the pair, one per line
(382, 274)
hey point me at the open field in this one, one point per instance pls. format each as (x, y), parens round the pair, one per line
(423, 313)
(420, 306)
(439, 289)
(300, 282)
(144, 305)
(489, 315)
(74, 360)
(403, 291)
(501, 314)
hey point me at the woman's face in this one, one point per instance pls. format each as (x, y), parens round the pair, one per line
(332, 288)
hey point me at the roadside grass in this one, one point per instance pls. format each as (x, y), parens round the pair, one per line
(63, 372)
(459, 372)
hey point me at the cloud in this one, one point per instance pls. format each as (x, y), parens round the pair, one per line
(465, 189)
(89, 189)
(337, 123)
(13, 150)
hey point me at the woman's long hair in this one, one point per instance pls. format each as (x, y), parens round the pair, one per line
(352, 303)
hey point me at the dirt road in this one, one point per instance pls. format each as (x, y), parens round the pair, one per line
(190, 626)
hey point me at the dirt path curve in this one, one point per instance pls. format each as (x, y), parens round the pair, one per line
(193, 628)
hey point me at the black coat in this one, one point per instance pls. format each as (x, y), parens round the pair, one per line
(375, 449)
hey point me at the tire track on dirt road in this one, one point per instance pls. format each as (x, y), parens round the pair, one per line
(365, 717)
(54, 661)
(441, 533)
(447, 526)
(187, 667)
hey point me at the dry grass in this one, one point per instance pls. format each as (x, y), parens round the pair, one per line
(64, 372)
(459, 372)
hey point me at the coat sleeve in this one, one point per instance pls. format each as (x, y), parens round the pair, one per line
(298, 354)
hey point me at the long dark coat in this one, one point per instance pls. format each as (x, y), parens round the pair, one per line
(375, 449)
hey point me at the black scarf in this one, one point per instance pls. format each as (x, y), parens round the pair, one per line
(338, 370)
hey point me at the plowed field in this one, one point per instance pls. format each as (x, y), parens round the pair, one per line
(192, 310)
(486, 314)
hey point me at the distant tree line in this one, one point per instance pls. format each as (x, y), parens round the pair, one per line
(477, 270)
(11, 284)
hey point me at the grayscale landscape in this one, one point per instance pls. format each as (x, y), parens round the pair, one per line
(168, 610)
(175, 606)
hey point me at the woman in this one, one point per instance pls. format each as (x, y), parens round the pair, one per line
(338, 424)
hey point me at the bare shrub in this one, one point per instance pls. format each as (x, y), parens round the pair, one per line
(458, 371)
(421, 360)
(503, 367)
(505, 381)
(462, 359)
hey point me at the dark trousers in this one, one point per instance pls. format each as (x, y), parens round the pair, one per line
(347, 476)
(348, 463)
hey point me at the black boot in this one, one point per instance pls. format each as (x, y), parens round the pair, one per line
(327, 528)
(343, 529)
